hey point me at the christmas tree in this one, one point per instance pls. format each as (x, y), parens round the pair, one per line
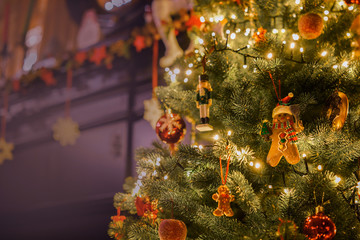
(282, 160)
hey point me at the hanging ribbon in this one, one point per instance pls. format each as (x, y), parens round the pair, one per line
(68, 87)
(278, 94)
(223, 180)
(155, 65)
(5, 111)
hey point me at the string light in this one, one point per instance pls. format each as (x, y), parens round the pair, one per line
(275, 31)
(351, 8)
(284, 42)
(319, 167)
(297, 1)
(341, 3)
(295, 36)
(326, 12)
(301, 50)
(196, 51)
(186, 80)
(176, 70)
(188, 72)
(227, 31)
(337, 179)
(191, 65)
(233, 36)
(270, 186)
(245, 66)
(335, 66)
(269, 56)
(238, 30)
(233, 16)
(109, 6)
(229, 133)
(283, 30)
(166, 177)
(251, 163)
(216, 137)
(201, 41)
(345, 64)
(257, 165)
(157, 162)
(348, 34)
(202, 19)
(304, 155)
(324, 53)
(326, 18)
(292, 45)
(286, 190)
(213, 34)
(201, 147)
(167, 69)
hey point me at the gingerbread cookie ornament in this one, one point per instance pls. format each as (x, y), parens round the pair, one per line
(285, 126)
(223, 197)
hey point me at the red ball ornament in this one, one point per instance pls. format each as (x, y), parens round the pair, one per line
(319, 226)
(352, 2)
(310, 25)
(171, 229)
(170, 128)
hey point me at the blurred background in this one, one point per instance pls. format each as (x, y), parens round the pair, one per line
(90, 60)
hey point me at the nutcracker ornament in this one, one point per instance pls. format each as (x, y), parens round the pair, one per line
(319, 226)
(203, 102)
(286, 125)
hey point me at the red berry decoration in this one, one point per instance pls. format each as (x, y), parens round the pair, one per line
(170, 128)
(319, 226)
(171, 229)
(352, 2)
(310, 25)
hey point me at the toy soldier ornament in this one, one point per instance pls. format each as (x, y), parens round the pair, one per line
(286, 125)
(203, 102)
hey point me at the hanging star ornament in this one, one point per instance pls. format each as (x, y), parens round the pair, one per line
(5, 150)
(66, 131)
(152, 111)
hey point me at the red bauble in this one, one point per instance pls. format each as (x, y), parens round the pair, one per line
(310, 25)
(170, 128)
(319, 226)
(353, 2)
(171, 229)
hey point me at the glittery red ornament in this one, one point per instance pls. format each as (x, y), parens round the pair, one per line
(310, 25)
(171, 229)
(170, 128)
(319, 226)
(352, 2)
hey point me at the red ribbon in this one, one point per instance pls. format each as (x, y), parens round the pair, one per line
(154, 65)
(68, 87)
(227, 168)
(278, 95)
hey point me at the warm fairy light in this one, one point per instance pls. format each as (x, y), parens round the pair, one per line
(191, 65)
(286, 190)
(335, 66)
(211, 19)
(269, 56)
(304, 155)
(284, 42)
(186, 80)
(213, 34)
(319, 167)
(233, 16)
(229, 133)
(275, 31)
(109, 6)
(345, 64)
(358, 187)
(201, 41)
(216, 137)
(221, 17)
(351, 8)
(245, 66)
(297, 1)
(337, 179)
(301, 50)
(270, 186)
(292, 45)
(348, 34)
(283, 30)
(341, 3)
(201, 147)
(188, 72)
(157, 162)
(238, 30)
(173, 78)
(233, 36)
(202, 19)
(326, 18)
(326, 12)
(176, 70)
(227, 31)
(295, 36)
(248, 46)
(154, 173)
(257, 165)
(255, 70)
(196, 51)
(167, 69)
(166, 177)
(324, 53)
(251, 163)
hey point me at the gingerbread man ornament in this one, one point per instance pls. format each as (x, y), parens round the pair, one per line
(285, 126)
(223, 197)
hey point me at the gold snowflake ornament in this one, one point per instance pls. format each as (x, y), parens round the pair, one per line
(152, 111)
(66, 131)
(5, 150)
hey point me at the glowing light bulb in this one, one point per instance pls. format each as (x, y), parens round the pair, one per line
(173, 78)
(196, 51)
(229, 133)
(211, 19)
(188, 72)
(283, 30)
(227, 31)
(269, 56)
(326, 18)
(351, 8)
(251, 163)
(245, 66)
(286, 190)
(284, 42)
(345, 64)
(335, 66)
(348, 34)
(292, 45)
(304, 155)
(301, 50)
(257, 165)
(275, 31)
(202, 19)
(167, 69)
(233, 36)
(319, 167)
(324, 53)
(216, 137)
(341, 3)
(166, 177)
(213, 34)
(233, 16)
(176, 71)
(326, 12)
(201, 147)
(297, 1)
(248, 46)
(191, 65)
(109, 6)
(337, 179)
(270, 186)
(238, 30)
(186, 80)
(201, 41)
(295, 36)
